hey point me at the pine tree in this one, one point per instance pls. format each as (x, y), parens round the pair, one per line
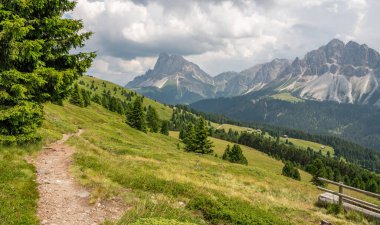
(227, 153)
(234, 155)
(136, 117)
(152, 119)
(165, 127)
(77, 97)
(189, 140)
(319, 171)
(96, 98)
(237, 155)
(182, 134)
(36, 62)
(202, 144)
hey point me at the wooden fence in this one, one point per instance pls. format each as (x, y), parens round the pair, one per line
(346, 201)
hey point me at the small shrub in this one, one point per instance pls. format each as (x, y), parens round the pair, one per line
(290, 171)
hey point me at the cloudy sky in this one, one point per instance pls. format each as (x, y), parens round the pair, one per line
(218, 35)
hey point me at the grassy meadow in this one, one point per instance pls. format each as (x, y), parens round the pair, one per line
(287, 97)
(313, 145)
(156, 178)
(227, 127)
(164, 111)
(18, 189)
(114, 159)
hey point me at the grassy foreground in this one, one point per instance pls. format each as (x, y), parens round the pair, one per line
(18, 190)
(158, 180)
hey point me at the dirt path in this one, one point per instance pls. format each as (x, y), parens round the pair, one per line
(62, 200)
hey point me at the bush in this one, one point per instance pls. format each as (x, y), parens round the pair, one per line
(290, 171)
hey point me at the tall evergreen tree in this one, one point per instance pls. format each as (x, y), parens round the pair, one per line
(202, 143)
(136, 117)
(189, 139)
(318, 171)
(165, 127)
(227, 153)
(152, 119)
(36, 62)
(182, 134)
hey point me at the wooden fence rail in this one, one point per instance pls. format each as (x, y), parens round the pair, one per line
(350, 188)
(365, 207)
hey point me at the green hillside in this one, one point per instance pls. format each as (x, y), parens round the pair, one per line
(156, 178)
(287, 97)
(303, 144)
(309, 144)
(102, 85)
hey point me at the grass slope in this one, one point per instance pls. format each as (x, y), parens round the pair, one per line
(157, 179)
(227, 127)
(285, 96)
(313, 145)
(165, 112)
(18, 190)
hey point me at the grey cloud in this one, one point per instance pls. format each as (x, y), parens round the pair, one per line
(246, 33)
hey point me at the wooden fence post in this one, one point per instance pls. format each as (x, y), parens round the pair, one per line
(341, 192)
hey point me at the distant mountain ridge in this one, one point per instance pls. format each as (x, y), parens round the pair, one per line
(344, 73)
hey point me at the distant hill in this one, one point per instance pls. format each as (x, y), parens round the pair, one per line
(338, 71)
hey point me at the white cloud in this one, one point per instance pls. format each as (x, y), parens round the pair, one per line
(218, 35)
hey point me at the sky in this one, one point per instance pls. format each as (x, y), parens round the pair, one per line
(217, 35)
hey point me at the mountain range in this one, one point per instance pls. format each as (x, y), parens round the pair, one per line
(338, 71)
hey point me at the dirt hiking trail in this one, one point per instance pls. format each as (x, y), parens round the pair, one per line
(62, 200)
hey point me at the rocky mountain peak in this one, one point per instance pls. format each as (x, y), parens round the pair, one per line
(168, 64)
(335, 43)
